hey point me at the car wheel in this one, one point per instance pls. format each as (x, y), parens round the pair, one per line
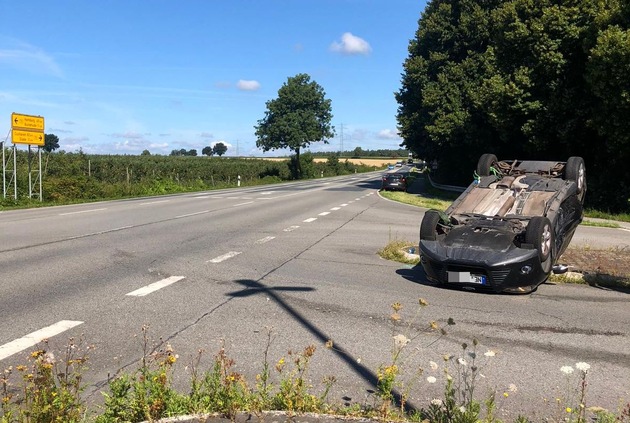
(540, 234)
(575, 170)
(485, 163)
(429, 226)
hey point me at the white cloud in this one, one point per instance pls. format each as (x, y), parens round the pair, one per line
(388, 134)
(351, 45)
(248, 85)
(128, 136)
(206, 135)
(26, 57)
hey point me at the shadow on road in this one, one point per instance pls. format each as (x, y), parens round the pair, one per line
(251, 287)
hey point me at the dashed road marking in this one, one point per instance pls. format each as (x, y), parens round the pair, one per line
(155, 286)
(34, 338)
(324, 213)
(335, 208)
(224, 257)
(265, 239)
(310, 219)
(192, 214)
(242, 204)
(82, 211)
(344, 205)
(290, 228)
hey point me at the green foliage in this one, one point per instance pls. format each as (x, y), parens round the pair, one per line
(74, 177)
(521, 79)
(299, 116)
(219, 149)
(51, 142)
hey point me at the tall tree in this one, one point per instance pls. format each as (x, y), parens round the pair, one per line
(51, 142)
(207, 151)
(299, 116)
(219, 149)
(539, 79)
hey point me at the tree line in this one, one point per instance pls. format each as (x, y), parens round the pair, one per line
(522, 79)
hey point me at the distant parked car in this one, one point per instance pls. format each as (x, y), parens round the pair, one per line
(390, 167)
(395, 181)
(507, 231)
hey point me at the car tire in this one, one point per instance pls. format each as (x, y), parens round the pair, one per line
(575, 171)
(429, 226)
(540, 234)
(485, 163)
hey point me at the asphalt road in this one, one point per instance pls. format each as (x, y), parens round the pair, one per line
(300, 260)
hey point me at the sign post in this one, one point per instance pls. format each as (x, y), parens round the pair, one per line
(29, 130)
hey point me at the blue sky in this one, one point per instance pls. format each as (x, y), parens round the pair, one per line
(119, 77)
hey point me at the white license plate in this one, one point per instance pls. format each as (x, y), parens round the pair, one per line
(466, 277)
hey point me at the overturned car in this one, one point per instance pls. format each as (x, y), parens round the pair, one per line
(507, 230)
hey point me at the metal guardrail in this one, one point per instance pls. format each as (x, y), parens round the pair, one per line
(452, 188)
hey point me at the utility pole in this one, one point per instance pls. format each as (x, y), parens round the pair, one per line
(341, 139)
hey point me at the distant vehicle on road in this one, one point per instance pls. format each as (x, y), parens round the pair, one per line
(399, 164)
(395, 181)
(507, 230)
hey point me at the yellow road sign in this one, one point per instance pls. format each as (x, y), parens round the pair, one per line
(27, 137)
(28, 122)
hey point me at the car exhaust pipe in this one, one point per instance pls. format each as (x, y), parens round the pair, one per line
(560, 269)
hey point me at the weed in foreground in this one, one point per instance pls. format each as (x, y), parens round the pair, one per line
(48, 388)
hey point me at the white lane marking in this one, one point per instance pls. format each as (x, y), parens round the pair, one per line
(265, 239)
(335, 208)
(154, 202)
(82, 211)
(310, 219)
(356, 199)
(344, 205)
(155, 286)
(267, 193)
(624, 229)
(290, 228)
(34, 338)
(192, 214)
(224, 257)
(324, 213)
(233, 198)
(202, 196)
(242, 204)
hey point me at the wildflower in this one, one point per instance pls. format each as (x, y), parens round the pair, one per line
(422, 302)
(583, 367)
(397, 306)
(280, 364)
(329, 344)
(489, 353)
(431, 379)
(512, 388)
(37, 353)
(437, 402)
(462, 409)
(462, 362)
(401, 340)
(433, 325)
(433, 365)
(395, 317)
(505, 394)
(569, 409)
(20, 368)
(567, 370)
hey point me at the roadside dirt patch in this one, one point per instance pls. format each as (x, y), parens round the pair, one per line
(611, 263)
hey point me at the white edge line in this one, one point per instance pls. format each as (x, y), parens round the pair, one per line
(242, 204)
(191, 214)
(224, 257)
(82, 211)
(34, 338)
(154, 202)
(141, 292)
